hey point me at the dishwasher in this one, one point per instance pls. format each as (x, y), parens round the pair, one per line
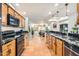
(19, 43)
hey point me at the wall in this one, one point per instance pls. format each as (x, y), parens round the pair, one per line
(26, 23)
(73, 17)
(71, 21)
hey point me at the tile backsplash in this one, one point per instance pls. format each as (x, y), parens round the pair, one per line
(3, 28)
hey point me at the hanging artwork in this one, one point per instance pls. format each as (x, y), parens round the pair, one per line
(54, 25)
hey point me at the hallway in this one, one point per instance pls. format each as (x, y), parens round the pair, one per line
(36, 47)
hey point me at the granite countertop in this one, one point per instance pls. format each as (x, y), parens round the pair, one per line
(66, 39)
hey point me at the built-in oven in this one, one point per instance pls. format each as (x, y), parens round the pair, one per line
(19, 42)
(7, 36)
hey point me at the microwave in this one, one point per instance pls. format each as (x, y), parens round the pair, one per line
(12, 21)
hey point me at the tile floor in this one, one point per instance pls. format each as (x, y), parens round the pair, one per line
(36, 47)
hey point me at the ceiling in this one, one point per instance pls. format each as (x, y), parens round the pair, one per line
(40, 12)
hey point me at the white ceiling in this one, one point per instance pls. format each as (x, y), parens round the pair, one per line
(38, 12)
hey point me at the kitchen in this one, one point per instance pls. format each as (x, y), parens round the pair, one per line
(59, 24)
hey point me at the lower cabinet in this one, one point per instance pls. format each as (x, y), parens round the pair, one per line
(53, 44)
(9, 49)
(48, 41)
(59, 47)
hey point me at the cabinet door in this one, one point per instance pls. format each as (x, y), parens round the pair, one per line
(77, 19)
(49, 41)
(78, 13)
(4, 14)
(53, 46)
(59, 47)
(16, 15)
(78, 7)
(22, 22)
(11, 11)
(9, 49)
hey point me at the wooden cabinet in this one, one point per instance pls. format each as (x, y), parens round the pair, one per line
(20, 21)
(47, 40)
(11, 11)
(78, 7)
(59, 47)
(53, 45)
(9, 49)
(56, 45)
(4, 14)
(78, 13)
(78, 20)
(16, 15)
(22, 24)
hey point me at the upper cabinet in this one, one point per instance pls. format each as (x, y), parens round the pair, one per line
(78, 13)
(4, 14)
(9, 10)
(17, 15)
(23, 22)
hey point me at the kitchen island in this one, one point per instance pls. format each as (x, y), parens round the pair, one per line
(62, 44)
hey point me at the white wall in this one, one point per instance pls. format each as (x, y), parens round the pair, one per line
(26, 24)
(73, 17)
(71, 21)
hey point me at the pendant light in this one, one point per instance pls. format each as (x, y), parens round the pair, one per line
(66, 10)
(66, 17)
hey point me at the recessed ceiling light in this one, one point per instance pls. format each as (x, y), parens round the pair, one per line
(24, 13)
(17, 4)
(49, 13)
(56, 4)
